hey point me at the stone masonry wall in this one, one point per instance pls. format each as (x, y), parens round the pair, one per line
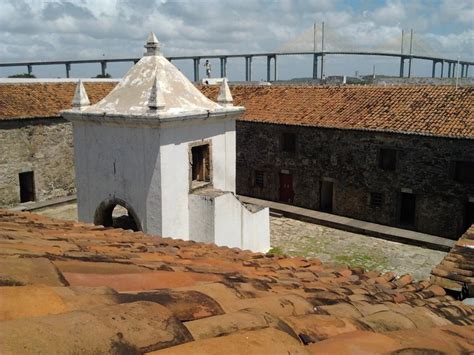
(44, 146)
(349, 158)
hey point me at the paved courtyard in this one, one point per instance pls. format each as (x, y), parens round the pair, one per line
(297, 238)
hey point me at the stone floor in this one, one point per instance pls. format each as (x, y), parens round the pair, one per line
(65, 211)
(297, 238)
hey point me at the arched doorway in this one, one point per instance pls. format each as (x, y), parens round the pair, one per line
(116, 213)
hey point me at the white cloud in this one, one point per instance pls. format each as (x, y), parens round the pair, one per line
(392, 12)
(42, 30)
(461, 11)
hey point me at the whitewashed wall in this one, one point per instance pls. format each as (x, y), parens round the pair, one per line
(228, 221)
(223, 220)
(118, 161)
(201, 218)
(175, 168)
(149, 169)
(256, 230)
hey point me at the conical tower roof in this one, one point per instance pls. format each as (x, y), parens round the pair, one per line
(177, 95)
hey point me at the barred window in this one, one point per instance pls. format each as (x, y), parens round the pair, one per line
(376, 199)
(259, 178)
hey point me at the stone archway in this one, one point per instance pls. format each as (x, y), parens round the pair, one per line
(105, 215)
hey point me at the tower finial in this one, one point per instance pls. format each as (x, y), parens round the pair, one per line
(224, 97)
(152, 45)
(80, 98)
(156, 100)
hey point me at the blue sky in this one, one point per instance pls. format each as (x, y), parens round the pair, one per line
(80, 29)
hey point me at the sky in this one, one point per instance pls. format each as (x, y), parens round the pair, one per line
(39, 30)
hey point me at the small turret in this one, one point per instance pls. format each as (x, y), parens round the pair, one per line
(224, 97)
(80, 99)
(152, 45)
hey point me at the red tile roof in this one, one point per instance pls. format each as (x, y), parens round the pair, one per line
(427, 110)
(31, 100)
(457, 268)
(77, 288)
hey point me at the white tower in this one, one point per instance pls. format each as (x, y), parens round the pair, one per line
(160, 149)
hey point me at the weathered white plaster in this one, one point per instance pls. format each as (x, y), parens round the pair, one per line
(80, 98)
(224, 97)
(219, 217)
(135, 146)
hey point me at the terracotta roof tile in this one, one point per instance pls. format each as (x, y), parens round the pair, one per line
(427, 110)
(448, 340)
(457, 268)
(106, 290)
(139, 326)
(44, 99)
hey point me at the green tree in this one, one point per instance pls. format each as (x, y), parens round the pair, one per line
(102, 76)
(24, 75)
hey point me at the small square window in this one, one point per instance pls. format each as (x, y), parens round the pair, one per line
(289, 142)
(376, 199)
(259, 178)
(464, 171)
(387, 159)
(201, 171)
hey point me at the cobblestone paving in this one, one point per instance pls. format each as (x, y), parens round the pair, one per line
(297, 238)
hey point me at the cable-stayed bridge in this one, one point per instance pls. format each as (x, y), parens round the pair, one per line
(319, 41)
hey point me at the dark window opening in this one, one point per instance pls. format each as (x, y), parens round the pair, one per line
(27, 186)
(387, 159)
(376, 199)
(259, 178)
(407, 209)
(289, 142)
(327, 188)
(464, 171)
(200, 163)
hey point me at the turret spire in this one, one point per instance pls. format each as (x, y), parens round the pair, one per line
(152, 45)
(224, 97)
(80, 96)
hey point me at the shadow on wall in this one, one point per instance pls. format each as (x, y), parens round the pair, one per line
(117, 213)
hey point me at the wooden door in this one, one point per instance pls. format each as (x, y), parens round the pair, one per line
(286, 188)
